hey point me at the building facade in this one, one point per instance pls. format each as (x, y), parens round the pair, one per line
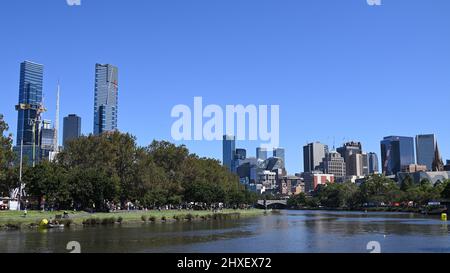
(29, 108)
(313, 155)
(396, 151)
(229, 152)
(425, 149)
(71, 128)
(334, 164)
(280, 153)
(373, 163)
(106, 101)
(349, 151)
(312, 180)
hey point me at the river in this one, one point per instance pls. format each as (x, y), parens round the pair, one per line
(287, 231)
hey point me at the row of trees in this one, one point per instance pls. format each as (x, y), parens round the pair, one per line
(95, 171)
(376, 190)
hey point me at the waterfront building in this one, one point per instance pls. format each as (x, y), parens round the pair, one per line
(425, 150)
(71, 128)
(106, 98)
(261, 153)
(313, 155)
(229, 152)
(396, 151)
(334, 164)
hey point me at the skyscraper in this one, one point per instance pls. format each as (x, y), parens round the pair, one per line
(349, 151)
(71, 128)
(313, 155)
(334, 164)
(396, 152)
(280, 153)
(30, 101)
(106, 98)
(229, 151)
(373, 163)
(261, 153)
(29, 108)
(425, 150)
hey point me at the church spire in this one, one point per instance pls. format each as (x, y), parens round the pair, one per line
(438, 165)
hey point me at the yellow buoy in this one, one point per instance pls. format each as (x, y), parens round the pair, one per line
(444, 216)
(43, 222)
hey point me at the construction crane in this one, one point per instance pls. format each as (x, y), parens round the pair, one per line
(19, 192)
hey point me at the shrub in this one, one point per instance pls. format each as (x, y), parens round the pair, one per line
(144, 218)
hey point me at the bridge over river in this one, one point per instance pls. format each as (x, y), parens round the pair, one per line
(272, 204)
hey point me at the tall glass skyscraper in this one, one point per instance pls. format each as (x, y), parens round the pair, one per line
(229, 151)
(396, 152)
(106, 98)
(425, 149)
(30, 100)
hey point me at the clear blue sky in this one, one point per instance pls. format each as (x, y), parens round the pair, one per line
(339, 69)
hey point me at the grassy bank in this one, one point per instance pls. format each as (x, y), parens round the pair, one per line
(16, 220)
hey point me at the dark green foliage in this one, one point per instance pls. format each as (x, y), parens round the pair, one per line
(94, 171)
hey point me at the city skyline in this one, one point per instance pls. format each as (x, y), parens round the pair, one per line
(369, 65)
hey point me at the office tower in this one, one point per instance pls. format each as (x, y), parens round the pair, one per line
(373, 163)
(47, 140)
(29, 108)
(334, 164)
(106, 98)
(261, 153)
(71, 128)
(313, 155)
(362, 164)
(425, 149)
(396, 152)
(280, 153)
(229, 151)
(349, 151)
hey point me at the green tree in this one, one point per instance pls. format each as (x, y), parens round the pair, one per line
(8, 177)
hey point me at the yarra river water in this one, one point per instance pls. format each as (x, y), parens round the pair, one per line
(287, 231)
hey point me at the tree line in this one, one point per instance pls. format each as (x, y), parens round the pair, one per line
(376, 190)
(97, 171)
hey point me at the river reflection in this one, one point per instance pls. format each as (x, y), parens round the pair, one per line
(288, 231)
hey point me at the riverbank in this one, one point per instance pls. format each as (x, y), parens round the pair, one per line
(17, 220)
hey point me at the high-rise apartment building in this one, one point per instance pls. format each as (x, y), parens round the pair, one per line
(106, 98)
(349, 151)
